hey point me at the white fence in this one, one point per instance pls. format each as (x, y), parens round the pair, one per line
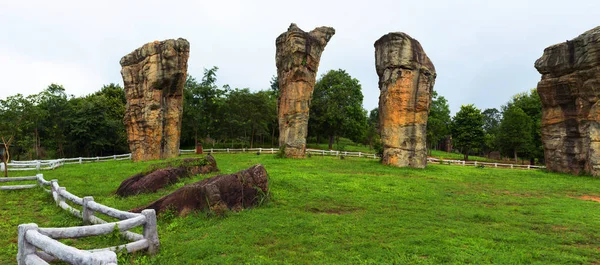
(32, 237)
(54, 163)
(477, 163)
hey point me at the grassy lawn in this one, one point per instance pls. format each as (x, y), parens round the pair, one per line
(353, 211)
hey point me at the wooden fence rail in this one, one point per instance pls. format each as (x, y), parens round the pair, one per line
(39, 245)
(52, 164)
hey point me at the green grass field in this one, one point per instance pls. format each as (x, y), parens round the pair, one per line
(325, 210)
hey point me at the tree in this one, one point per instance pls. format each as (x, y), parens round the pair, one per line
(13, 112)
(515, 134)
(372, 131)
(56, 116)
(438, 121)
(531, 104)
(467, 129)
(491, 125)
(336, 107)
(202, 101)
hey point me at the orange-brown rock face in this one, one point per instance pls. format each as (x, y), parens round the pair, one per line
(569, 91)
(406, 78)
(297, 58)
(154, 76)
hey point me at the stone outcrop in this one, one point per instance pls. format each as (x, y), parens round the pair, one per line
(569, 91)
(154, 76)
(406, 79)
(161, 175)
(220, 193)
(297, 58)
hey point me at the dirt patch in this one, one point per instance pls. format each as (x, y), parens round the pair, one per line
(589, 198)
(236, 191)
(161, 175)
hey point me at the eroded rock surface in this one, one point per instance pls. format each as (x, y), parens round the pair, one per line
(164, 174)
(406, 79)
(235, 191)
(154, 76)
(569, 91)
(297, 58)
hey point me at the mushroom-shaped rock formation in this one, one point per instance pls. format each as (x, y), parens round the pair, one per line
(297, 58)
(406, 79)
(569, 92)
(154, 76)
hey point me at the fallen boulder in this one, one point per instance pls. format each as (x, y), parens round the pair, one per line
(161, 175)
(219, 193)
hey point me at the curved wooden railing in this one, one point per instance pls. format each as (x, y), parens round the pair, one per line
(38, 245)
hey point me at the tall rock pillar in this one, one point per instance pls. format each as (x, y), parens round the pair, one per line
(406, 78)
(297, 58)
(569, 91)
(154, 76)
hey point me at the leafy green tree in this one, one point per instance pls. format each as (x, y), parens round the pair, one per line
(96, 127)
(336, 108)
(372, 129)
(14, 112)
(467, 129)
(531, 104)
(202, 104)
(438, 121)
(515, 134)
(55, 117)
(491, 125)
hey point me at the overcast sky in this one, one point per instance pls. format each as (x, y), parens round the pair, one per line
(483, 51)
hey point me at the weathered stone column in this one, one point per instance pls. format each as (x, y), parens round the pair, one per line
(569, 91)
(154, 76)
(406, 78)
(297, 59)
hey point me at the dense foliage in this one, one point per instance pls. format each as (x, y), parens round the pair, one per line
(53, 124)
(336, 108)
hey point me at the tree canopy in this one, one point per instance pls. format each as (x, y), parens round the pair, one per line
(336, 108)
(467, 129)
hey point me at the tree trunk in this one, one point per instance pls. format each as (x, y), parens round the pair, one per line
(516, 159)
(331, 138)
(466, 155)
(252, 137)
(273, 137)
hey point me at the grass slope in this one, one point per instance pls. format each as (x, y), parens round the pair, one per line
(352, 211)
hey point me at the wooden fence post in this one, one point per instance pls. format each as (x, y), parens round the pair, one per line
(54, 191)
(59, 197)
(150, 232)
(495, 164)
(80, 160)
(463, 163)
(475, 162)
(528, 166)
(114, 157)
(1, 167)
(511, 165)
(38, 165)
(86, 213)
(24, 247)
(39, 179)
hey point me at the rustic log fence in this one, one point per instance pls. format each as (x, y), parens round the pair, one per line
(39, 245)
(481, 164)
(52, 164)
(55, 163)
